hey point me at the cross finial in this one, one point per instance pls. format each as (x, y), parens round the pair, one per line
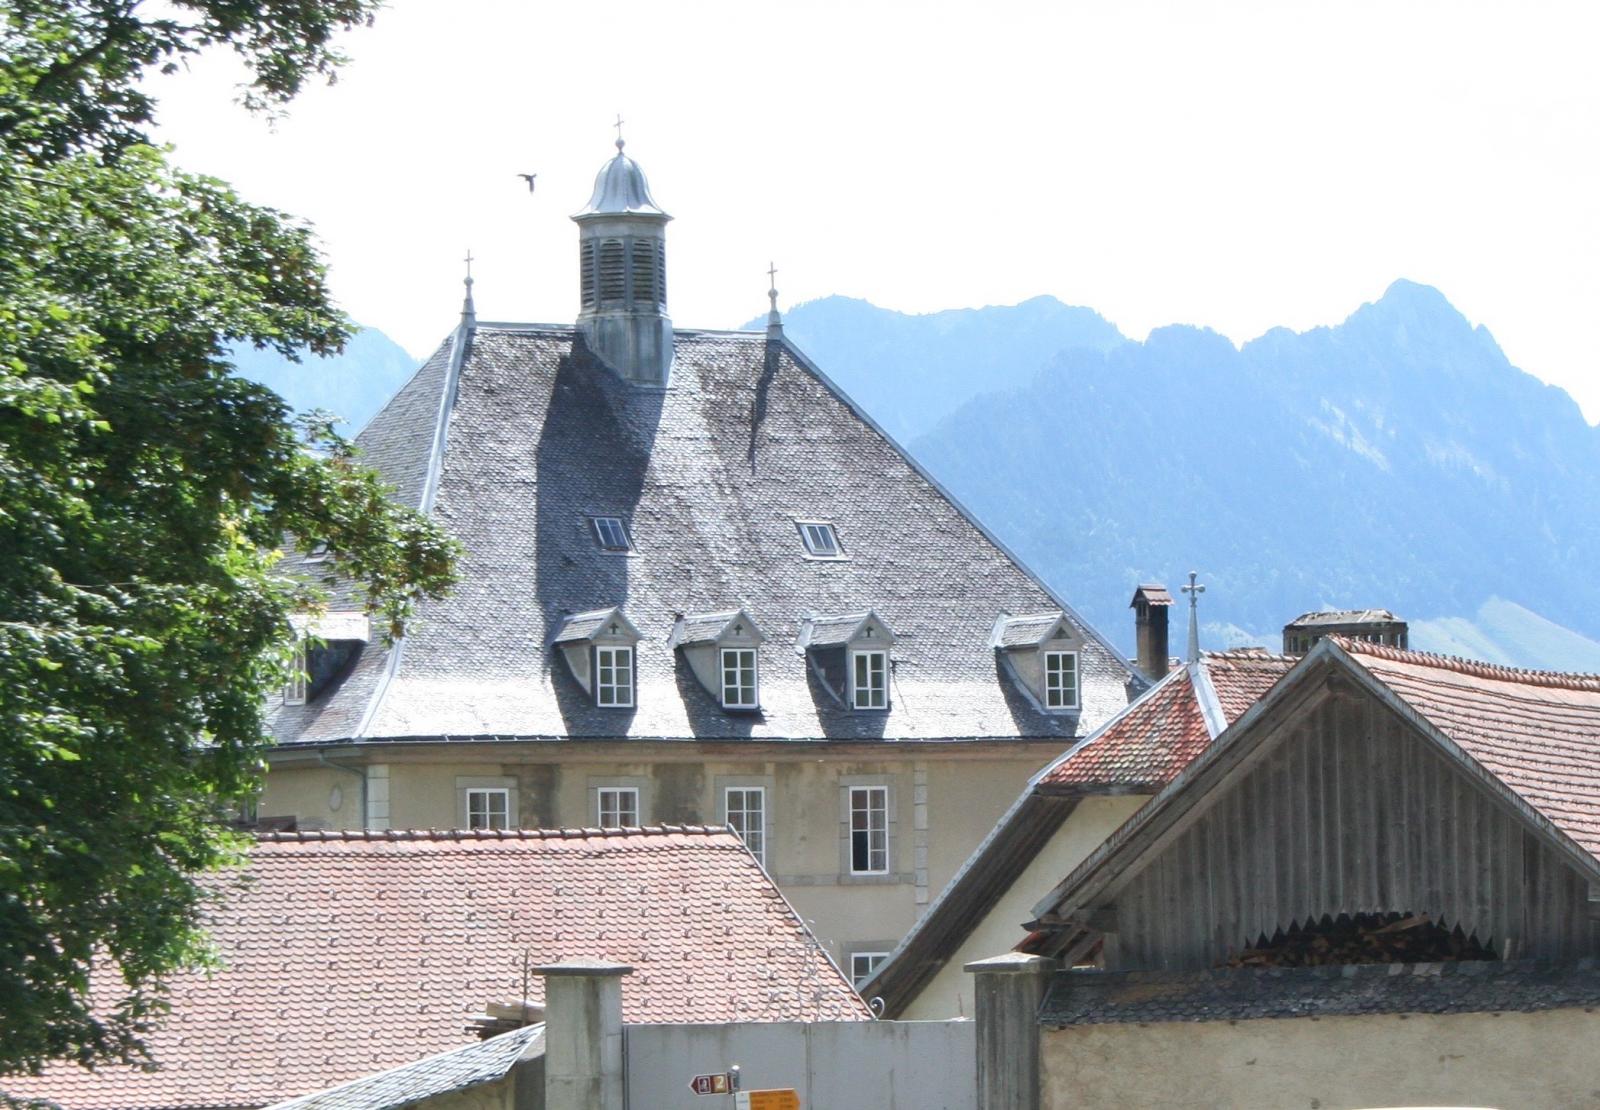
(774, 321)
(1194, 589)
(469, 313)
(618, 126)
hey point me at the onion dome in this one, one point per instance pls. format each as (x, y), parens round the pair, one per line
(620, 189)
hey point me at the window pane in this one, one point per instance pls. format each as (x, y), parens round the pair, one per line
(618, 806)
(863, 964)
(488, 809)
(869, 829)
(746, 813)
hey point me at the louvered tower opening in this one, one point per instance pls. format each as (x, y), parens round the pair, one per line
(613, 272)
(586, 271)
(643, 259)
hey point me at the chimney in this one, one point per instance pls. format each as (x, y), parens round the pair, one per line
(1150, 604)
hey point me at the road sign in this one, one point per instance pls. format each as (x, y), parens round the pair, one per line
(787, 1099)
(715, 1084)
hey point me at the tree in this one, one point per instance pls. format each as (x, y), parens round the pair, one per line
(144, 492)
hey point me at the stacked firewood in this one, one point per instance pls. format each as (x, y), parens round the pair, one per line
(1362, 939)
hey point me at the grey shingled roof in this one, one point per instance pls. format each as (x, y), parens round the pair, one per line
(1028, 631)
(705, 628)
(1238, 994)
(456, 1070)
(711, 472)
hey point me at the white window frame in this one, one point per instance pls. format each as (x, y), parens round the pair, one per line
(754, 834)
(1055, 696)
(868, 794)
(742, 698)
(487, 810)
(615, 795)
(613, 660)
(863, 697)
(813, 531)
(600, 526)
(861, 975)
(294, 689)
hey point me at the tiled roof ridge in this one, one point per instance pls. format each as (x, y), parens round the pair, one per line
(1235, 655)
(1473, 668)
(334, 836)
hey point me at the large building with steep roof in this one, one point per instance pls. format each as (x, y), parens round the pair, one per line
(699, 585)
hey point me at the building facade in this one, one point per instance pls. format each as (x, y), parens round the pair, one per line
(700, 585)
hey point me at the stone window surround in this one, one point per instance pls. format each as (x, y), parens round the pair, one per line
(507, 783)
(768, 785)
(893, 877)
(640, 784)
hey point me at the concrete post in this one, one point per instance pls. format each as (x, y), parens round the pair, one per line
(583, 1034)
(1007, 991)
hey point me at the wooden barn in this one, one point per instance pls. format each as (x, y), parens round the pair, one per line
(1374, 889)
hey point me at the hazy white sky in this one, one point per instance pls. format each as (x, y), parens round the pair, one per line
(1237, 165)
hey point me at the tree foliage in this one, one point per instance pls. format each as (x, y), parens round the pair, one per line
(144, 492)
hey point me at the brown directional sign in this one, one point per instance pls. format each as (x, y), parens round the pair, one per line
(787, 1099)
(714, 1084)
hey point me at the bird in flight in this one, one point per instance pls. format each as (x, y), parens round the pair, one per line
(528, 177)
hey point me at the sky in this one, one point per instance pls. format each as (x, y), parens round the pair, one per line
(1235, 165)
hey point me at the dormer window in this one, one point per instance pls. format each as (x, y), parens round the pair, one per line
(318, 554)
(869, 679)
(611, 533)
(599, 647)
(739, 678)
(294, 690)
(821, 541)
(613, 668)
(1061, 680)
(722, 651)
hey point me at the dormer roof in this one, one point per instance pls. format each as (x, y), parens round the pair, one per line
(597, 624)
(620, 189)
(848, 628)
(1031, 630)
(333, 627)
(712, 628)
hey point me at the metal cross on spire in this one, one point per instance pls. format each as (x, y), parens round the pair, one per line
(469, 313)
(1194, 590)
(618, 126)
(774, 321)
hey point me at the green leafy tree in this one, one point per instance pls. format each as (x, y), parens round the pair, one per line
(144, 492)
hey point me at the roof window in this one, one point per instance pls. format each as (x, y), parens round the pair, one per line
(611, 533)
(821, 541)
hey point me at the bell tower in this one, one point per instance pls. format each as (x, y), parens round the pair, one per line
(622, 266)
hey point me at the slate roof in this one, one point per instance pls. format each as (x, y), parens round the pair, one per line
(1536, 731)
(513, 435)
(457, 1070)
(350, 953)
(1028, 631)
(1342, 616)
(1241, 994)
(705, 628)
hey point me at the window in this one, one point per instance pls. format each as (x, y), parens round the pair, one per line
(869, 830)
(318, 554)
(745, 809)
(820, 539)
(863, 964)
(613, 677)
(488, 808)
(739, 678)
(869, 675)
(294, 690)
(1061, 679)
(618, 807)
(611, 533)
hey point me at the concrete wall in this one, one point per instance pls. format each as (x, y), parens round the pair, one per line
(1521, 1061)
(950, 993)
(943, 802)
(877, 1066)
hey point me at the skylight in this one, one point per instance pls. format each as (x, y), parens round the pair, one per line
(820, 539)
(611, 534)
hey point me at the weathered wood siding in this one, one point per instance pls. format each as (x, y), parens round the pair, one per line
(1350, 811)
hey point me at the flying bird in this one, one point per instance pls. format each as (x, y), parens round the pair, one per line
(528, 177)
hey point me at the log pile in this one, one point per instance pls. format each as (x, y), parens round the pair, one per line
(1362, 939)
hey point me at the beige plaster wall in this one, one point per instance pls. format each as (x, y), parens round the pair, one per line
(306, 793)
(949, 993)
(1508, 1061)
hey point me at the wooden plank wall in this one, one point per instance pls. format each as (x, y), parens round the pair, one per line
(1350, 812)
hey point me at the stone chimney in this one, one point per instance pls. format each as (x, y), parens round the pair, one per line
(1150, 604)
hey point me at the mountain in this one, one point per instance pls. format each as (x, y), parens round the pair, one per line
(353, 385)
(1397, 459)
(910, 371)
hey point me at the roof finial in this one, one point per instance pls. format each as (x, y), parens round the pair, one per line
(1194, 590)
(469, 314)
(618, 126)
(774, 321)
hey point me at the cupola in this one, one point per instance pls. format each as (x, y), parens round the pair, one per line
(622, 266)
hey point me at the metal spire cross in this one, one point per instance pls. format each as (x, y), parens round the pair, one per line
(469, 312)
(618, 126)
(1194, 590)
(774, 321)
(469, 260)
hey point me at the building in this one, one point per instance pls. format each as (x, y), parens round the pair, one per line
(1066, 811)
(700, 585)
(1374, 888)
(348, 953)
(1376, 626)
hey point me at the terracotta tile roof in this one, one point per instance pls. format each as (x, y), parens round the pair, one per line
(1165, 730)
(1537, 731)
(351, 953)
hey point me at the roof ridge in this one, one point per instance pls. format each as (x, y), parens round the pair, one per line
(334, 836)
(1473, 668)
(1231, 655)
